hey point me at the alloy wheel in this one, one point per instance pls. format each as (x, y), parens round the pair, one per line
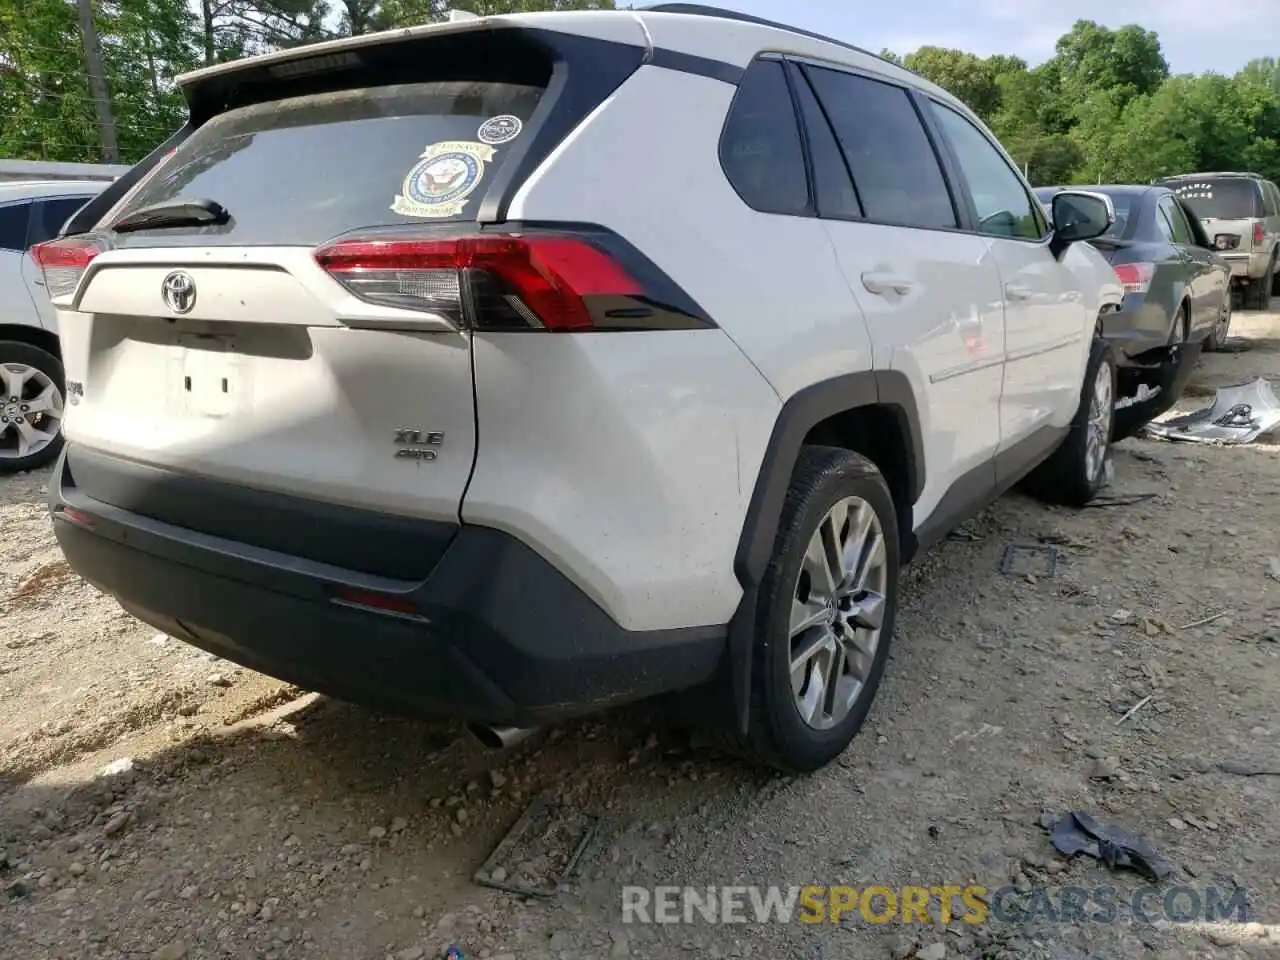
(30, 411)
(837, 612)
(1099, 427)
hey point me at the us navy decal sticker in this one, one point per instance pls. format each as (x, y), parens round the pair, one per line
(444, 176)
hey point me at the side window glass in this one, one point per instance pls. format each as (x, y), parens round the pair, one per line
(1274, 193)
(13, 226)
(51, 215)
(1181, 229)
(760, 147)
(1003, 205)
(1163, 224)
(894, 167)
(835, 193)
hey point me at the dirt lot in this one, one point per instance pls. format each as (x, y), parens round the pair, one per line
(157, 803)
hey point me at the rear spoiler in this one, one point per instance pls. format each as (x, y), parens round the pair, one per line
(1111, 243)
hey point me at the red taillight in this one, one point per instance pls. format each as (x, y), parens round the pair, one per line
(1135, 277)
(63, 262)
(1258, 235)
(78, 517)
(526, 281)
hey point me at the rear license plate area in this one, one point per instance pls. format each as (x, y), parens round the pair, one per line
(206, 376)
(1226, 241)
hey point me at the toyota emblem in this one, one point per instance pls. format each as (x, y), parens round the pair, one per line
(179, 291)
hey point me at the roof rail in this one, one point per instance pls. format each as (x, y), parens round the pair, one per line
(702, 10)
(45, 170)
(1213, 173)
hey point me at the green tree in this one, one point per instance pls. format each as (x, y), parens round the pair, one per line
(46, 107)
(1193, 123)
(235, 28)
(404, 13)
(964, 75)
(1265, 72)
(1128, 61)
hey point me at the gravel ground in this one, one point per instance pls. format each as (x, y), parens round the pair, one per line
(156, 803)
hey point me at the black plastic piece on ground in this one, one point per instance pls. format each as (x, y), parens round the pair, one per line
(1080, 833)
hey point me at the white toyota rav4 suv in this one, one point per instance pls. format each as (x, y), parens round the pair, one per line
(514, 368)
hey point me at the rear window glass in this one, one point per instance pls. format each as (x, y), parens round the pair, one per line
(51, 215)
(1125, 204)
(1221, 199)
(302, 170)
(13, 226)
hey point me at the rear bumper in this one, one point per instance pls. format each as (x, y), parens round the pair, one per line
(1246, 266)
(1138, 326)
(499, 634)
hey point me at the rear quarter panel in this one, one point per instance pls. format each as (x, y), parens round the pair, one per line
(646, 164)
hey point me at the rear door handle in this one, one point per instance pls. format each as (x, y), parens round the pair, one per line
(1015, 291)
(885, 283)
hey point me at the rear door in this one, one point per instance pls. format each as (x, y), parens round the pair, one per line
(930, 292)
(1202, 277)
(225, 350)
(1044, 319)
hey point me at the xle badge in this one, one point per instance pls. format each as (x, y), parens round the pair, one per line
(417, 444)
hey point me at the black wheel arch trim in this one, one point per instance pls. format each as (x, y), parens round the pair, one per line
(800, 413)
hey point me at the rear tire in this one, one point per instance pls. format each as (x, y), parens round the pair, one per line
(812, 686)
(1258, 295)
(29, 378)
(1220, 330)
(1076, 471)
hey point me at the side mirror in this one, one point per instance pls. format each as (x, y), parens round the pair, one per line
(1079, 215)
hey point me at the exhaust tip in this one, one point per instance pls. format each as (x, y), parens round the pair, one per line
(500, 738)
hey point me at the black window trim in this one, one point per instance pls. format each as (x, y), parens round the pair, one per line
(26, 233)
(960, 210)
(795, 76)
(812, 207)
(958, 189)
(1046, 233)
(810, 210)
(39, 203)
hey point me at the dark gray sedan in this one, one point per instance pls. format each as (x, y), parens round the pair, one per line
(1177, 288)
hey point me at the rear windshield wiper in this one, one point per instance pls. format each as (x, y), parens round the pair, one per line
(173, 213)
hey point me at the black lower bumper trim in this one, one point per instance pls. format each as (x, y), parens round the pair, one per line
(345, 537)
(503, 636)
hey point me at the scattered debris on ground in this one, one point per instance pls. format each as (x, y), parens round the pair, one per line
(1237, 415)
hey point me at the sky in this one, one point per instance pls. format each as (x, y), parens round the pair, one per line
(1196, 35)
